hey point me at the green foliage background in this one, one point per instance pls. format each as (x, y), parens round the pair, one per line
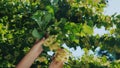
(74, 18)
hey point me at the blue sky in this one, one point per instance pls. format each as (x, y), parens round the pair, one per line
(113, 6)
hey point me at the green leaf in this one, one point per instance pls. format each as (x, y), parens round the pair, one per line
(112, 31)
(1, 25)
(90, 23)
(37, 17)
(78, 34)
(76, 41)
(87, 29)
(50, 9)
(82, 34)
(55, 2)
(9, 36)
(48, 17)
(36, 34)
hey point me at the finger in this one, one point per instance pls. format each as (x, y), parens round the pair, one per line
(59, 64)
(40, 42)
(37, 40)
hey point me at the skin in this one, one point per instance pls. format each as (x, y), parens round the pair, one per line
(35, 51)
(56, 64)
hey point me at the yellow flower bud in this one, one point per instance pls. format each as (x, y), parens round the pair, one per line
(42, 59)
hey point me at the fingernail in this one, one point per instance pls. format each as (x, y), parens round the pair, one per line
(43, 38)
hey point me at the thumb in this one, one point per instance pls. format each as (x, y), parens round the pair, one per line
(40, 42)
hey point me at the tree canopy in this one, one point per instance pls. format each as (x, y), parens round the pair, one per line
(70, 22)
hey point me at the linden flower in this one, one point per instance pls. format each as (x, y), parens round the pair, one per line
(42, 59)
(50, 40)
(96, 1)
(54, 46)
(62, 55)
(38, 66)
(47, 42)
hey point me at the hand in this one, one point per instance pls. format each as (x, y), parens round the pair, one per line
(56, 64)
(39, 43)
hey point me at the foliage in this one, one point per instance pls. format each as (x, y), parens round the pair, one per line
(72, 21)
(90, 61)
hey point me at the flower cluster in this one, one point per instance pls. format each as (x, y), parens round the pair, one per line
(62, 55)
(52, 43)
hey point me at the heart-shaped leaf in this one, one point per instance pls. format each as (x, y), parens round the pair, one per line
(36, 34)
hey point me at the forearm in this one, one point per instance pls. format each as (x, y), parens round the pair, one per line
(27, 61)
(29, 58)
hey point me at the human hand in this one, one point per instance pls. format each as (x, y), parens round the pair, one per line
(56, 64)
(39, 43)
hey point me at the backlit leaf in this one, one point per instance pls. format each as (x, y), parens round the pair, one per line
(36, 34)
